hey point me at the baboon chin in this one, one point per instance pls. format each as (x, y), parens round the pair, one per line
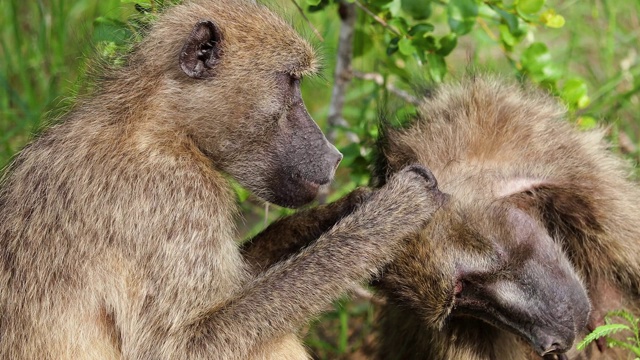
(536, 244)
(117, 224)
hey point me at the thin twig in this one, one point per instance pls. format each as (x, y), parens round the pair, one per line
(342, 73)
(315, 31)
(493, 37)
(377, 18)
(341, 79)
(379, 79)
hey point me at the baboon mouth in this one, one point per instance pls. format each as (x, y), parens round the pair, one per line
(317, 183)
(312, 183)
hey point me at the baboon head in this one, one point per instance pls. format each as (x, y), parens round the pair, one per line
(491, 255)
(496, 263)
(237, 87)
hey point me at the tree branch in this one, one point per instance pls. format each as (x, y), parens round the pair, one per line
(377, 18)
(342, 77)
(315, 31)
(379, 79)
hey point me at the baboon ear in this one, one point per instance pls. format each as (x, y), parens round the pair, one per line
(201, 51)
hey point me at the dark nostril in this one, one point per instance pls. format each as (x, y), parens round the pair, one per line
(554, 348)
(338, 161)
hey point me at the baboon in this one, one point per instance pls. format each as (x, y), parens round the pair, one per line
(117, 223)
(541, 228)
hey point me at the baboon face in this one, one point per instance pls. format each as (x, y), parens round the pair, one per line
(497, 264)
(263, 135)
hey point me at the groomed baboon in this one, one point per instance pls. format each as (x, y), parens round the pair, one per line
(541, 214)
(117, 224)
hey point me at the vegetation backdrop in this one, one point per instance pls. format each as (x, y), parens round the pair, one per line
(375, 52)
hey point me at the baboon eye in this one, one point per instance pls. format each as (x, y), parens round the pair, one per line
(295, 78)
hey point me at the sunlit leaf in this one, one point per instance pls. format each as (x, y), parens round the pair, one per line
(506, 36)
(417, 9)
(529, 6)
(437, 67)
(462, 15)
(406, 47)
(447, 44)
(419, 30)
(575, 92)
(551, 19)
(510, 19)
(587, 122)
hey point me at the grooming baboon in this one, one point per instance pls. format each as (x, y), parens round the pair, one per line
(541, 214)
(117, 224)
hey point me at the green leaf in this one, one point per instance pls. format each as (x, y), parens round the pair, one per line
(437, 67)
(535, 57)
(462, 15)
(621, 314)
(393, 46)
(575, 92)
(628, 346)
(510, 19)
(587, 122)
(313, 2)
(241, 193)
(406, 47)
(528, 7)
(551, 19)
(141, 2)
(417, 9)
(420, 30)
(322, 4)
(427, 43)
(447, 44)
(111, 30)
(506, 36)
(600, 331)
(394, 7)
(399, 23)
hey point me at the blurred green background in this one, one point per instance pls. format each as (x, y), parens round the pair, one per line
(47, 48)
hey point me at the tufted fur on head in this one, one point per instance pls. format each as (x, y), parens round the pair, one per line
(535, 203)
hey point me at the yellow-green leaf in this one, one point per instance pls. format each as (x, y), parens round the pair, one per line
(551, 19)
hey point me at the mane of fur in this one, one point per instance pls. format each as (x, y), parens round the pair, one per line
(485, 138)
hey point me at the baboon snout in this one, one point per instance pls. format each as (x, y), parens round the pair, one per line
(333, 157)
(554, 344)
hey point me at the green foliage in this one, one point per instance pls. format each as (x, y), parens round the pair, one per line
(115, 38)
(587, 56)
(617, 321)
(409, 42)
(40, 44)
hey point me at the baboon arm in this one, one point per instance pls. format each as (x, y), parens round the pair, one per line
(290, 234)
(283, 298)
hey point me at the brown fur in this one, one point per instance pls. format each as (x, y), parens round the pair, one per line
(117, 224)
(497, 146)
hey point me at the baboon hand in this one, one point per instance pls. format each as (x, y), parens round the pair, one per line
(410, 197)
(357, 197)
(421, 173)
